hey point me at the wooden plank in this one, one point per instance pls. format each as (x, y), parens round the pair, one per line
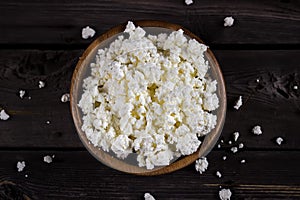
(27, 126)
(60, 22)
(68, 177)
(271, 103)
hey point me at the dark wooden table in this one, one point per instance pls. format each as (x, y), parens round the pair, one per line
(41, 40)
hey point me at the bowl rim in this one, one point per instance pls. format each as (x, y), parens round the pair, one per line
(117, 164)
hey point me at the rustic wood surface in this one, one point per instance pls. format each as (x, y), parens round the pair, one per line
(42, 41)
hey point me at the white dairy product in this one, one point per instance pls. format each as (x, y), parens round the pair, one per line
(149, 95)
(201, 165)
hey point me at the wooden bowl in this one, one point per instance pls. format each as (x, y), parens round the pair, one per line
(82, 70)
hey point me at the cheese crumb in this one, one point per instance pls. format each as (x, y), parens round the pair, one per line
(234, 149)
(238, 103)
(201, 165)
(87, 32)
(22, 93)
(229, 142)
(65, 97)
(241, 145)
(295, 87)
(228, 21)
(48, 122)
(236, 136)
(41, 84)
(243, 161)
(148, 196)
(225, 194)
(257, 80)
(257, 130)
(218, 174)
(224, 157)
(26, 176)
(279, 140)
(188, 2)
(48, 159)
(20, 166)
(3, 115)
(219, 146)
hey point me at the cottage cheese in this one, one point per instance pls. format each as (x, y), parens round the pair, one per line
(236, 136)
(234, 149)
(225, 194)
(188, 2)
(148, 196)
(22, 93)
(41, 84)
(228, 21)
(218, 174)
(201, 165)
(241, 145)
(238, 103)
(257, 130)
(87, 32)
(295, 87)
(65, 98)
(47, 159)
(20, 166)
(3, 115)
(149, 95)
(279, 140)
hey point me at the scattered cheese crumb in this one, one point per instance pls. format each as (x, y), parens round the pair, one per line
(238, 103)
(219, 146)
(4, 115)
(224, 157)
(218, 174)
(41, 84)
(21, 165)
(53, 156)
(47, 159)
(279, 140)
(228, 21)
(234, 149)
(65, 97)
(236, 136)
(222, 141)
(22, 93)
(201, 165)
(229, 142)
(188, 2)
(26, 175)
(241, 145)
(148, 196)
(29, 97)
(225, 194)
(48, 122)
(295, 87)
(243, 161)
(257, 130)
(87, 32)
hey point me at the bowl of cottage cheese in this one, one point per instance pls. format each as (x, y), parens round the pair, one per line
(148, 98)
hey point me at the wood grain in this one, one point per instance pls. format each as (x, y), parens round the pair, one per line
(60, 22)
(77, 175)
(263, 104)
